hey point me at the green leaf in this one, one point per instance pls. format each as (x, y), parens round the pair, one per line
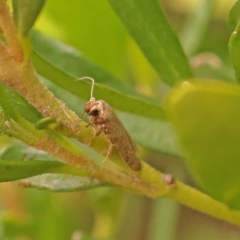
(14, 170)
(19, 161)
(90, 26)
(16, 162)
(60, 182)
(24, 153)
(234, 16)
(115, 98)
(13, 103)
(153, 34)
(206, 117)
(25, 13)
(151, 133)
(194, 29)
(73, 62)
(234, 42)
(234, 49)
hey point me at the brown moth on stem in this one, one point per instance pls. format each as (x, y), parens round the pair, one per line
(105, 120)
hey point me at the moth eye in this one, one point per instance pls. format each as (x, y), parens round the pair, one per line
(94, 113)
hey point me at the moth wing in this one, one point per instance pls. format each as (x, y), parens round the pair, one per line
(118, 131)
(120, 138)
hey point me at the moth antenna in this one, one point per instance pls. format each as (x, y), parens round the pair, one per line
(93, 82)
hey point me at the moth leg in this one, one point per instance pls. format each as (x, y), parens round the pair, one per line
(108, 152)
(97, 133)
(88, 125)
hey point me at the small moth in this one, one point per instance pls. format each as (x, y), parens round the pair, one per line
(105, 120)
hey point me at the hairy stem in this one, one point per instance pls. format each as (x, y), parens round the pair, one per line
(9, 31)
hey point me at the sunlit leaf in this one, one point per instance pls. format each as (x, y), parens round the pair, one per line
(234, 43)
(234, 49)
(206, 117)
(90, 26)
(234, 16)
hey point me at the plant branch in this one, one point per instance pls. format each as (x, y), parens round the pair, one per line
(65, 150)
(10, 32)
(148, 182)
(203, 203)
(22, 77)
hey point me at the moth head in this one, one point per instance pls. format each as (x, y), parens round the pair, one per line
(93, 108)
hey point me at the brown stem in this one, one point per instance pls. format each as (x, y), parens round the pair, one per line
(10, 32)
(131, 182)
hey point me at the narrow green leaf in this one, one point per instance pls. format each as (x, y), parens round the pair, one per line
(19, 161)
(24, 153)
(234, 16)
(15, 170)
(14, 124)
(73, 62)
(195, 27)
(25, 13)
(206, 117)
(115, 98)
(5, 102)
(153, 34)
(13, 103)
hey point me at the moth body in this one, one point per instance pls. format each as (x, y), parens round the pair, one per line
(104, 119)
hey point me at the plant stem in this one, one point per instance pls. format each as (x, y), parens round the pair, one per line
(131, 182)
(148, 182)
(10, 32)
(68, 152)
(18, 73)
(203, 203)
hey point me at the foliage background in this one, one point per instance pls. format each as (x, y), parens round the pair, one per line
(109, 213)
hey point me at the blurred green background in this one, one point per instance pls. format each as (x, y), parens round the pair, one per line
(110, 213)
